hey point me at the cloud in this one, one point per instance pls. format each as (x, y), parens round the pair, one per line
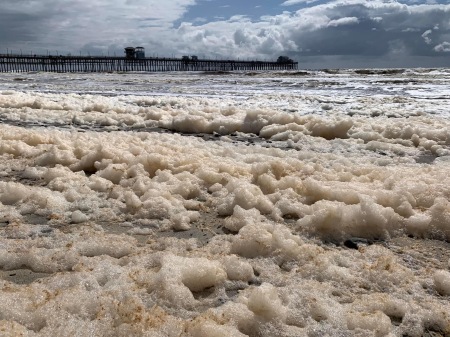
(381, 32)
(339, 30)
(443, 47)
(199, 19)
(354, 28)
(296, 2)
(239, 18)
(69, 25)
(426, 36)
(343, 21)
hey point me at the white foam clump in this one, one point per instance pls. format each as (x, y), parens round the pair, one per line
(57, 252)
(237, 269)
(261, 239)
(242, 217)
(365, 219)
(179, 277)
(246, 196)
(79, 217)
(265, 302)
(31, 198)
(442, 282)
(182, 221)
(377, 322)
(440, 217)
(11, 193)
(283, 127)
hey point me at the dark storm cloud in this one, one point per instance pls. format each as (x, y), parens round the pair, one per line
(23, 23)
(352, 39)
(379, 30)
(363, 38)
(17, 27)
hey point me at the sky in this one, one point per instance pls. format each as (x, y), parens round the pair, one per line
(316, 33)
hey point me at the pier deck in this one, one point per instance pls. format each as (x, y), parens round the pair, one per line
(66, 64)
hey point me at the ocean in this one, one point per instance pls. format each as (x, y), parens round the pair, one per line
(301, 203)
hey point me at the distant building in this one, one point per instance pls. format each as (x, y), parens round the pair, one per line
(193, 58)
(135, 53)
(130, 52)
(140, 52)
(284, 59)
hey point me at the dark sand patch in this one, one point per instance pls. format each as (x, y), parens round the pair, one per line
(421, 254)
(21, 276)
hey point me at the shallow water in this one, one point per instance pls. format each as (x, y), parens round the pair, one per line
(261, 204)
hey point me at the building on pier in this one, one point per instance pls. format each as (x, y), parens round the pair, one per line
(140, 53)
(284, 59)
(130, 53)
(135, 53)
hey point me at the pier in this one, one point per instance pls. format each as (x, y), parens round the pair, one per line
(80, 64)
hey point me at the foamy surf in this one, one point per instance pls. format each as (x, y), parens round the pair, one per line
(189, 204)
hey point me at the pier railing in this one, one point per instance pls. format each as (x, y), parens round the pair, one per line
(66, 64)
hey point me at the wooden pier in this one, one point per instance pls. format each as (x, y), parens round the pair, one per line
(80, 64)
